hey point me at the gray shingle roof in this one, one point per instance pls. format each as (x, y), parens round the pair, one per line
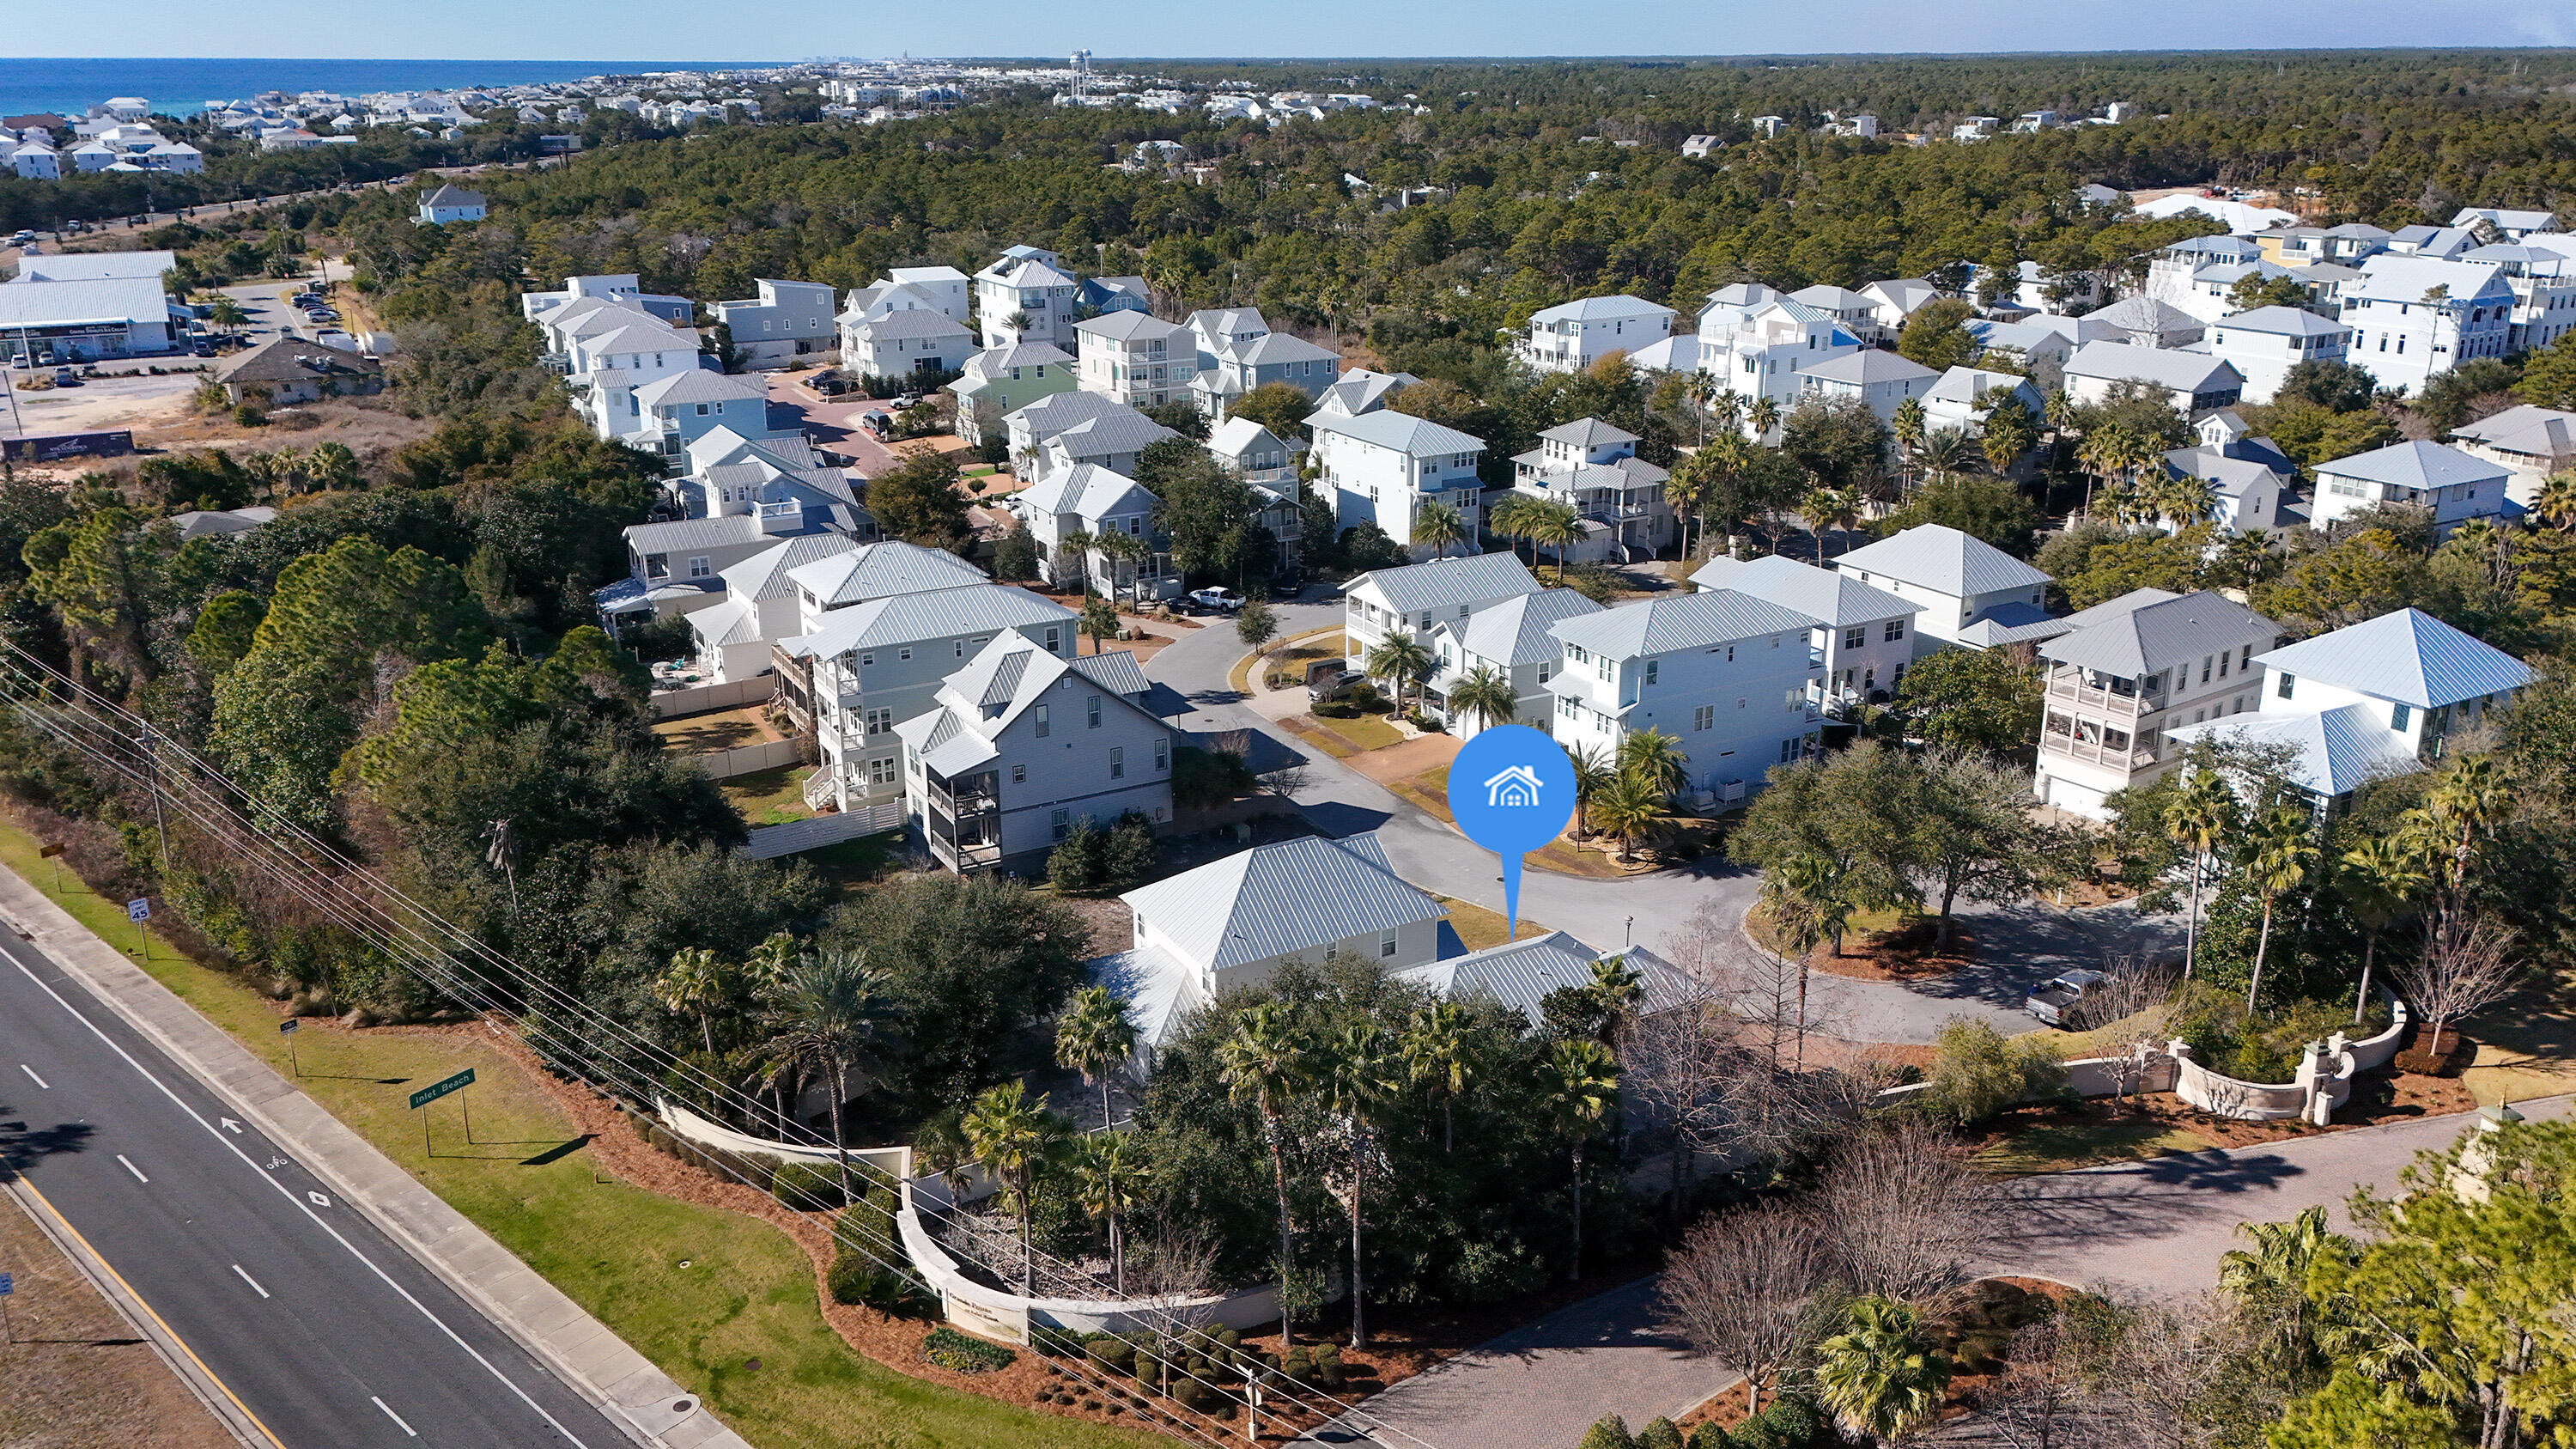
(452, 195)
(2146, 630)
(939, 614)
(2416, 464)
(1687, 621)
(1830, 598)
(881, 570)
(1271, 900)
(1448, 581)
(1938, 557)
(1515, 631)
(2406, 655)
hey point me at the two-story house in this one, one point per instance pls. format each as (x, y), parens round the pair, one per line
(1863, 637)
(1767, 354)
(2456, 486)
(448, 205)
(1026, 295)
(1136, 358)
(870, 666)
(1021, 745)
(2042, 338)
(1096, 503)
(1384, 466)
(1253, 453)
(1232, 923)
(1412, 600)
(2247, 482)
(1239, 365)
(1512, 637)
(1893, 303)
(2415, 317)
(2192, 382)
(2379, 698)
(2544, 292)
(1854, 312)
(1972, 594)
(1360, 390)
(674, 567)
(1729, 676)
(787, 320)
(2529, 442)
(1572, 336)
(1618, 499)
(2124, 673)
(1958, 400)
(2264, 344)
(759, 606)
(997, 382)
(1093, 429)
(667, 414)
(2510, 224)
(904, 342)
(1880, 380)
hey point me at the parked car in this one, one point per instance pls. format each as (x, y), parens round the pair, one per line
(65, 377)
(1329, 682)
(2057, 1001)
(879, 425)
(202, 347)
(1224, 601)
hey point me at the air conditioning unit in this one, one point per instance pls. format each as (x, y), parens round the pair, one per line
(1730, 791)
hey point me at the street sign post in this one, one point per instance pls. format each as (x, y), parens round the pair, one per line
(139, 910)
(54, 853)
(435, 1090)
(8, 1285)
(287, 1029)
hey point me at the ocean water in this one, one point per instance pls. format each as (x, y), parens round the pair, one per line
(182, 87)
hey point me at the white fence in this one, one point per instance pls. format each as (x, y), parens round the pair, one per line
(750, 759)
(768, 842)
(707, 698)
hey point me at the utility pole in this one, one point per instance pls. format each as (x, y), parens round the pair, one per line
(152, 763)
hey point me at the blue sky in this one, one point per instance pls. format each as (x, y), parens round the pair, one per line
(655, 29)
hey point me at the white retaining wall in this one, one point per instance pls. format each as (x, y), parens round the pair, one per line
(894, 1162)
(999, 1314)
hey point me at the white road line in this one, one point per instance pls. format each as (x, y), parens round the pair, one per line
(130, 1167)
(390, 1414)
(253, 1282)
(289, 1194)
(31, 1076)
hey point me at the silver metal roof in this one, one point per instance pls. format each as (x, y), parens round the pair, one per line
(2417, 464)
(1275, 899)
(1686, 621)
(1515, 631)
(2339, 749)
(1823, 595)
(1446, 582)
(2405, 655)
(881, 570)
(942, 614)
(1944, 560)
(1520, 974)
(2145, 630)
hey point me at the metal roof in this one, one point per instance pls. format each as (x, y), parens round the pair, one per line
(1276, 899)
(2339, 749)
(1110, 434)
(1115, 670)
(1685, 621)
(2417, 464)
(2145, 630)
(1238, 433)
(882, 570)
(1444, 582)
(2283, 321)
(1600, 309)
(1417, 437)
(768, 574)
(1823, 595)
(1049, 415)
(2393, 278)
(97, 299)
(2164, 367)
(1127, 326)
(1277, 347)
(2011, 622)
(1515, 631)
(2405, 655)
(910, 322)
(1869, 365)
(1520, 974)
(1942, 559)
(94, 266)
(697, 385)
(1087, 490)
(939, 614)
(2524, 428)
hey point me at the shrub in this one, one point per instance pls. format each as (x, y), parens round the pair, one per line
(248, 415)
(1366, 697)
(1080, 861)
(1609, 1433)
(950, 1349)
(807, 1187)
(1976, 1073)
(1111, 1352)
(1337, 709)
(1788, 1423)
(1490, 1271)
(1660, 1433)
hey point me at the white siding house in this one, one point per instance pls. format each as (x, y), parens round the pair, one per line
(2264, 344)
(1863, 637)
(1880, 379)
(1572, 336)
(1385, 465)
(2455, 485)
(2192, 382)
(2415, 317)
(2126, 671)
(899, 344)
(2530, 442)
(1026, 296)
(1511, 636)
(1417, 598)
(1729, 676)
(1958, 581)
(1618, 499)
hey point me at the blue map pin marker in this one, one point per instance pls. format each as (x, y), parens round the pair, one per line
(1511, 789)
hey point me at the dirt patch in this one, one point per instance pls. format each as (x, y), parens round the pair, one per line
(701, 734)
(76, 1373)
(1112, 924)
(1404, 761)
(1908, 953)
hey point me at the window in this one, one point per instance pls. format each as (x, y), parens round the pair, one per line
(880, 721)
(881, 772)
(2399, 715)
(1092, 709)
(961, 648)
(2245, 657)
(699, 567)
(702, 410)
(1019, 774)
(2222, 666)
(1895, 630)
(1054, 639)
(1386, 942)
(904, 654)
(1854, 638)
(1546, 670)
(2204, 668)
(1038, 713)
(1118, 762)
(2288, 683)
(1606, 667)
(1788, 751)
(1704, 716)
(867, 659)
(1061, 823)
(1162, 754)
(1650, 669)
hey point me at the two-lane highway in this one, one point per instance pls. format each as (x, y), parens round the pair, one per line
(312, 1321)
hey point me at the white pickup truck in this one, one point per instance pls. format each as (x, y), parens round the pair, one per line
(2057, 1001)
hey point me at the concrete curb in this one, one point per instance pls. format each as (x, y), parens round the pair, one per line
(601, 1367)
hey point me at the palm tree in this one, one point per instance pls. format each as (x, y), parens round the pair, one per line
(2379, 879)
(2272, 1280)
(2200, 817)
(1265, 1061)
(2557, 500)
(1592, 774)
(2104, 453)
(1121, 549)
(2277, 862)
(225, 312)
(695, 982)
(332, 465)
(1074, 550)
(1908, 427)
(1701, 390)
(2463, 806)
(1656, 758)
(1400, 659)
(1486, 692)
(1508, 518)
(1578, 1087)
(1099, 620)
(1628, 809)
(1829, 508)
(1947, 450)
(1763, 414)
(1686, 489)
(1616, 989)
(769, 961)
(2181, 499)
(1093, 1037)
(1727, 408)
(1438, 525)
(1438, 1051)
(1014, 1138)
(1358, 1071)
(1881, 1376)
(1109, 1178)
(831, 1013)
(1554, 524)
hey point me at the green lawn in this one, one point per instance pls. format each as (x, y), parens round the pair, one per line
(747, 1292)
(1368, 732)
(771, 797)
(2063, 1146)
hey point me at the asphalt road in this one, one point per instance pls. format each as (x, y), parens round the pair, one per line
(318, 1325)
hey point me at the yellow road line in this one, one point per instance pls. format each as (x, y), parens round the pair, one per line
(101, 1259)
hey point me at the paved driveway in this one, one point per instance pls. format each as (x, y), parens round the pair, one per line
(2035, 941)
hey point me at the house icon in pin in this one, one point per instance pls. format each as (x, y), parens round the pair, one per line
(1515, 787)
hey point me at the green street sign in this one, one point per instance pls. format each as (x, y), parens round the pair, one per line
(436, 1090)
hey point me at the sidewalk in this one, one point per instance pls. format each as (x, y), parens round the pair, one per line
(581, 1350)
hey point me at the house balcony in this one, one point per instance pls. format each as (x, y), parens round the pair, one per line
(2090, 749)
(558, 363)
(2067, 687)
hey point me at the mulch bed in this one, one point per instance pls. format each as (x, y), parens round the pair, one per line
(1904, 954)
(2376, 1098)
(2417, 1055)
